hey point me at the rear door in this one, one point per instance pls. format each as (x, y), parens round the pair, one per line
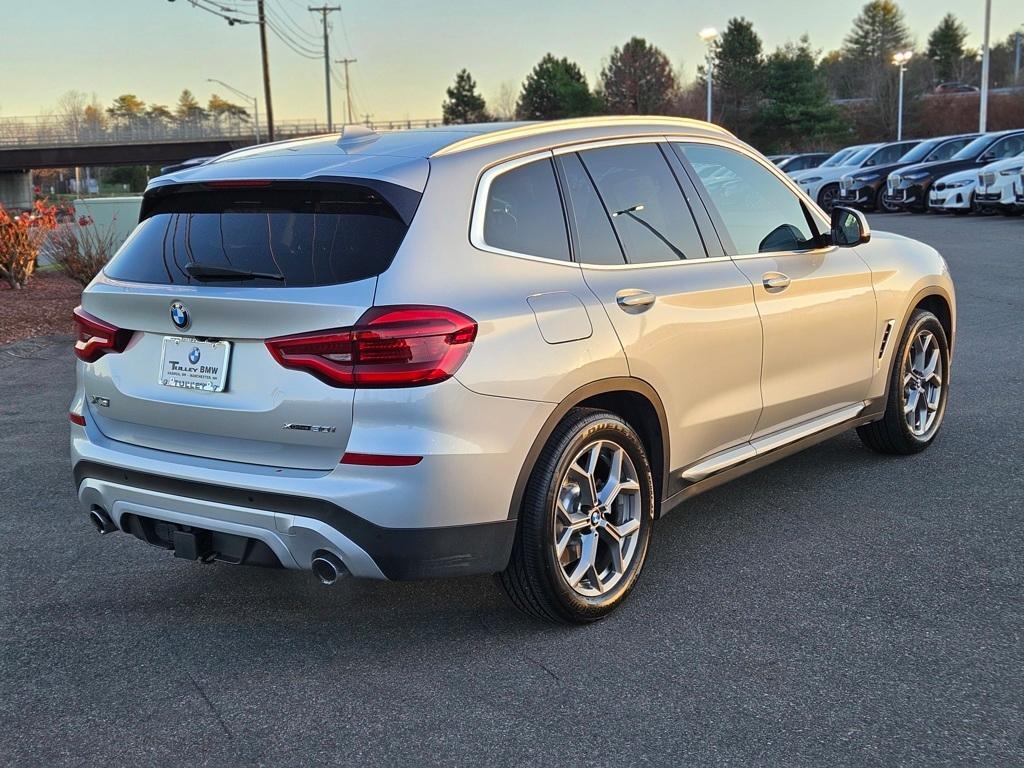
(197, 377)
(685, 316)
(816, 303)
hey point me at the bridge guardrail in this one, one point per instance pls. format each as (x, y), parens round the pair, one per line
(48, 131)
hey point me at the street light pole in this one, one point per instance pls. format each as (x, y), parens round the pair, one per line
(985, 56)
(244, 95)
(708, 35)
(900, 60)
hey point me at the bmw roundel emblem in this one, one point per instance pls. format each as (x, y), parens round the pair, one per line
(193, 356)
(180, 316)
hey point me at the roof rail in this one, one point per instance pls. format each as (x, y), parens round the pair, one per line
(553, 126)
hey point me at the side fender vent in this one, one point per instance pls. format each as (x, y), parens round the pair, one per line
(886, 333)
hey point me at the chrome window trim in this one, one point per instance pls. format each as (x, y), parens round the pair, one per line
(583, 146)
(487, 177)
(823, 221)
(483, 189)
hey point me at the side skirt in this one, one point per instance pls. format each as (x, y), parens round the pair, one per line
(874, 411)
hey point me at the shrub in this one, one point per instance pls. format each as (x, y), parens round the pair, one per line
(21, 236)
(81, 248)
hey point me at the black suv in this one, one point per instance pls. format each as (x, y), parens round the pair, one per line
(865, 188)
(907, 189)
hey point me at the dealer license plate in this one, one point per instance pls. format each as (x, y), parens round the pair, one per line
(194, 364)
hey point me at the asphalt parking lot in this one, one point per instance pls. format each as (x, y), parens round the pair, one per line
(837, 608)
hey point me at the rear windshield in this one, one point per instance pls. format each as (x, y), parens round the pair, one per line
(262, 237)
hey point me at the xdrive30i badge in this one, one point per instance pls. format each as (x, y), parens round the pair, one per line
(180, 316)
(311, 427)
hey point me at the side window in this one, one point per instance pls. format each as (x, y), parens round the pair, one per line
(597, 241)
(760, 213)
(891, 154)
(645, 203)
(1008, 147)
(524, 213)
(947, 150)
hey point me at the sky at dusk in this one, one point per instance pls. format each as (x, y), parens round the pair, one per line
(407, 51)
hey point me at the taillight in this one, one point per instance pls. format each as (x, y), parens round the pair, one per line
(400, 346)
(96, 338)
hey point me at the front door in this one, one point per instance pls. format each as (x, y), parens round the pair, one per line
(817, 304)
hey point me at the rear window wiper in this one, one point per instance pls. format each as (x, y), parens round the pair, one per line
(208, 272)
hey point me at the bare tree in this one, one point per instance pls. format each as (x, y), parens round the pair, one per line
(71, 111)
(503, 105)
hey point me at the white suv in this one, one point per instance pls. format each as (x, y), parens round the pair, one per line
(486, 349)
(997, 184)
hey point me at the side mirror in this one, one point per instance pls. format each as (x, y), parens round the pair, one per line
(849, 227)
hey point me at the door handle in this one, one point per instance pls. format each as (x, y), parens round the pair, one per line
(774, 281)
(634, 300)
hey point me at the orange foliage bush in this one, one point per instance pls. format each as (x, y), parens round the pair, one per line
(21, 236)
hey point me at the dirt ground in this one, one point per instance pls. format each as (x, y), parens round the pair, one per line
(43, 308)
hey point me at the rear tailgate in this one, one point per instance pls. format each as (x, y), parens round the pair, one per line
(249, 420)
(207, 277)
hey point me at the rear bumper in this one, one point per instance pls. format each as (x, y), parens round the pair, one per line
(294, 528)
(448, 515)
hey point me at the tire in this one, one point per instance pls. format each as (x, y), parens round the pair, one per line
(881, 206)
(827, 197)
(894, 433)
(557, 510)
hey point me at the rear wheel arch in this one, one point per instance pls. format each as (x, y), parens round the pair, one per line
(633, 400)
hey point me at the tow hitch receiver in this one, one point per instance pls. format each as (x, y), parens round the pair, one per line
(191, 546)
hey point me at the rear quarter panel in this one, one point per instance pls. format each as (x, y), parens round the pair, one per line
(438, 265)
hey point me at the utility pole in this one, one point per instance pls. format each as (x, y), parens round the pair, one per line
(323, 10)
(986, 54)
(348, 90)
(266, 72)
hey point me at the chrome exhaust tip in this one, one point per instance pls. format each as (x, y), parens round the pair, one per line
(328, 568)
(101, 520)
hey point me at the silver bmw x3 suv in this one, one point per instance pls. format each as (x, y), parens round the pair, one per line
(502, 348)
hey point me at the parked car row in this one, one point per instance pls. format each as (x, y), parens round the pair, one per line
(958, 174)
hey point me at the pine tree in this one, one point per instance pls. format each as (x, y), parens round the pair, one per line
(879, 31)
(738, 74)
(796, 112)
(188, 108)
(946, 47)
(464, 104)
(638, 80)
(555, 89)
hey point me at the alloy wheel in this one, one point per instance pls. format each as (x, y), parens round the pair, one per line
(597, 518)
(827, 197)
(922, 384)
